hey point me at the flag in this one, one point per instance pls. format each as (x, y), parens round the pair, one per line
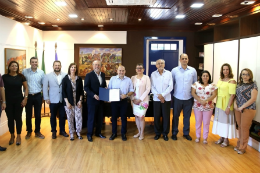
(56, 56)
(43, 62)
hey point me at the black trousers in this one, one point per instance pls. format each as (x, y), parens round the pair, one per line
(162, 109)
(54, 107)
(119, 108)
(36, 102)
(95, 117)
(178, 106)
(14, 112)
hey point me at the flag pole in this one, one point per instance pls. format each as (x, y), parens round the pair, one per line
(43, 68)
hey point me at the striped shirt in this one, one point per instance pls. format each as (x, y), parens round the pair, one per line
(34, 80)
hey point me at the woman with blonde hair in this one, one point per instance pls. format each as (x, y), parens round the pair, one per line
(224, 123)
(245, 107)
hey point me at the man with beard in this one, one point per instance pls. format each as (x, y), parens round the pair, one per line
(52, 94)
(34, 79)
(92, 82)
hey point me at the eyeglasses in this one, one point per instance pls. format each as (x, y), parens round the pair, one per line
(160, 63)
(245, 74)
(139, 68)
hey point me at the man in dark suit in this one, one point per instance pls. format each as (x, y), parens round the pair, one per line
(92, 82)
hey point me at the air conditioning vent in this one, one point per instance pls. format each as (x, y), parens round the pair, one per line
(130, 2)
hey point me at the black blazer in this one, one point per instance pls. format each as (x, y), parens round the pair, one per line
(67, 90)
(91, 86)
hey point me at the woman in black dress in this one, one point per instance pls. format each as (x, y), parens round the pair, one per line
(15, 101)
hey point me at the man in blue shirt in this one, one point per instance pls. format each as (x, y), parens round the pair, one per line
(183, 77)
(120, 107)
(34, 79)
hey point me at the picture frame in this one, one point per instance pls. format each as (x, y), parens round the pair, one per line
(18, 55)
(110, 59)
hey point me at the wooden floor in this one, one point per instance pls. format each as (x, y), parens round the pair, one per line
(62, 155)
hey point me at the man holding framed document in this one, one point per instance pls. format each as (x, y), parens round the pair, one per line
(92, 82)
(125, 86)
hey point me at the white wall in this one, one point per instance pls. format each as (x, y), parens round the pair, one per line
(208, 58)
(66, 40)
(17, 36)
(225, 52)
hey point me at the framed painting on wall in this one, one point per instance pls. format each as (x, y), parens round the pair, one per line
(18, 55)
(110, 59)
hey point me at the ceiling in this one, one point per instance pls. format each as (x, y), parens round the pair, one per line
(159, 16)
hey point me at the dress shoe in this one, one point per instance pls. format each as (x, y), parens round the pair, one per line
(100, 135)
(113, 136)
(54, 136)
(28, 135)
(12, 139)
(187, 137)
(64, 134)
(124, 138)
(2, 148)
(90, 139)
(157, 137)
(165, 137)
(174, 137)
(39, 135)
(18, 140)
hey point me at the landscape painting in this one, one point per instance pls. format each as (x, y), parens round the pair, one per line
(18, 55)
(110, 59)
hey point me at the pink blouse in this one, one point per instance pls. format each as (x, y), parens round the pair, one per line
(204, 93)
(144, 88)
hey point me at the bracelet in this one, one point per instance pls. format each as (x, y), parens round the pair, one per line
(228, 107)
(26, 96)
(80, 100)
(4, 102)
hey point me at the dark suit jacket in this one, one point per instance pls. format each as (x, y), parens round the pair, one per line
(67, 90)
(91, 86)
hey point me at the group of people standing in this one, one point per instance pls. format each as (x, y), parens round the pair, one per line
(65, 91)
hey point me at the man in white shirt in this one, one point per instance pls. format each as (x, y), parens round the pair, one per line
(161, 84)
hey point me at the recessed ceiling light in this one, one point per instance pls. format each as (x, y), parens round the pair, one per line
(197, 5)
(58, 19)
(180, 16)
(82, 19)
(139, 19)
(198, 23)
(55, 25)
(27, 23)
(73, 15)
(60, 3)
(42, 23)
(211, 24)
(233, 16)
(111, 18)
(217, 15)
(154, 37)
(28, 17)
(100, 26)
(247, 2)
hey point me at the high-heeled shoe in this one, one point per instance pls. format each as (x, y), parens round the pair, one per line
(141, 137)
(220, 141)
(137, 135)
(18, 140)
(197, 140)
(11, 140)
(71, 137)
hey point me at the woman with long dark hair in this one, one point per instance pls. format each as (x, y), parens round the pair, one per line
(203, 92)
(245, 107)
(15, 101)
(72, 93)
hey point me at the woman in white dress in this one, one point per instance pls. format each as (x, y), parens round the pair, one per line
(140, 98)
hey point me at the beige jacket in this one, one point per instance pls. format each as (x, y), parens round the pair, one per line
(144, 88)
